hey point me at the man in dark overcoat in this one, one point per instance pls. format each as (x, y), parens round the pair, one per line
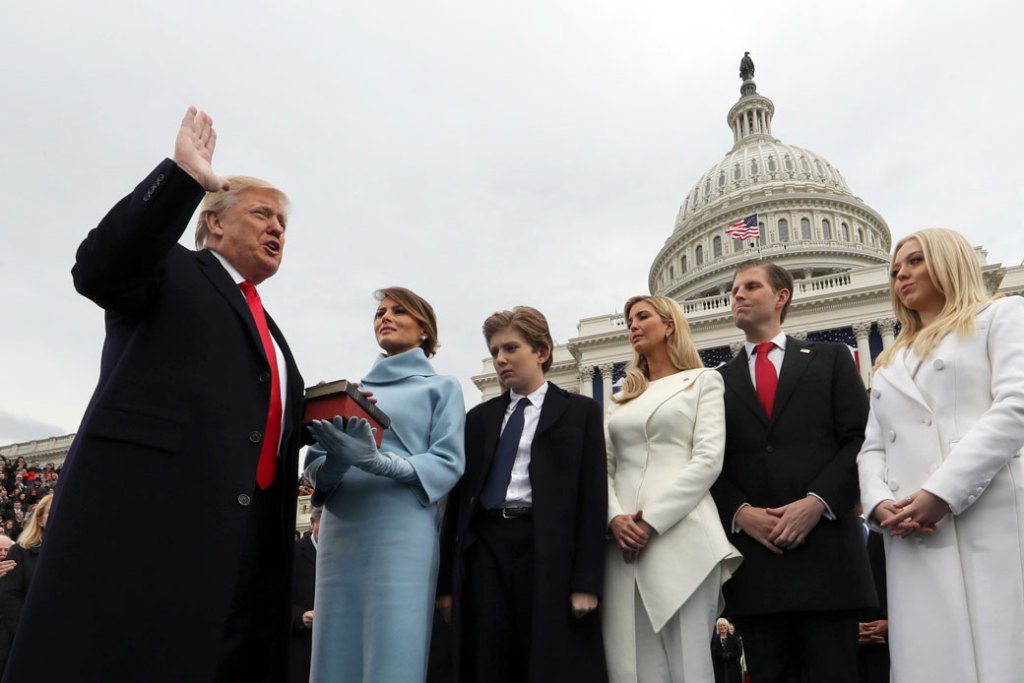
(199, 399)
(522, 549)
(795, 415)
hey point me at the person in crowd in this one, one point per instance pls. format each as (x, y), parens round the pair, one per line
(196, 381)
(726, 652)
(941, 472)
(524, 535)
(873, 627)
(6, 564)
(377, 558)
(795, 414)
(300, 647)
(15, 584)
(664, 573)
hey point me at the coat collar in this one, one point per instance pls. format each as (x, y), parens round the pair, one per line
(388, 369)
(226, 287)
(899, 376)
(798, 357)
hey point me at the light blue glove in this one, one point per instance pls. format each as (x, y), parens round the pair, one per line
(354, 443)
(324, 470)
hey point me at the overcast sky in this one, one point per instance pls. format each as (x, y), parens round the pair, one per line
(484, 154)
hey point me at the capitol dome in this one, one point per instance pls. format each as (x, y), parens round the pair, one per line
(810, 222)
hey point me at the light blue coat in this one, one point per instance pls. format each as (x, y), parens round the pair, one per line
(378, 552)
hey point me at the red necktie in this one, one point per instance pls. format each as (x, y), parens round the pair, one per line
(764, 375)
(272, 434)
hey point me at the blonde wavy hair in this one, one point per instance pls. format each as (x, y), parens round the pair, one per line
(681, 350)
(954, 270)
(32, 535)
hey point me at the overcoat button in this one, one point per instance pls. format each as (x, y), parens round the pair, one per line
(938, 364)
(892, 436)
(876, 393)
(769, 449)
(263, 377)
(894, 485)
(244, 499)
(971, 499)
(255, 437)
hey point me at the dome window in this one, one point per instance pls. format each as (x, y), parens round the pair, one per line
(762, 234)
(783, 230)
(844, 232)
(817, 165)
(707, 188)
(772, 167)
(860, 235)
(682, 262)
(754, 167)
(805, 229)
(716, 246)
(700, 255)
(789, 164)
(804, 166)
(826, 229)
(737, 172)
(721, 179)
(737, 246)
(671, 272)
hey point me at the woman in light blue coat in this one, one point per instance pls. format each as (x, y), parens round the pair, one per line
(378, 553)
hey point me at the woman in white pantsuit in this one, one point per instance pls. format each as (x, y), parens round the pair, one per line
(940, 469)
(666, 438)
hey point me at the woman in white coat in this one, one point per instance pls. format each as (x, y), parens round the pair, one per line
(940, 468)
(666, 439)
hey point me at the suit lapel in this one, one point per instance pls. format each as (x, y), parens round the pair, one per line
(794, 363)
(494, 415)
(898, 376)
(737, 378)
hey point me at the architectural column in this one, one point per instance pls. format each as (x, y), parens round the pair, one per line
(606, 381)
(735, 348)
(587, 381)
(801, 335)
(862, 331)
(888, 329)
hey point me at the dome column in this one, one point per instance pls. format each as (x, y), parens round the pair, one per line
(862, 331)
(606, 382)
(888, 329)
(586, 379)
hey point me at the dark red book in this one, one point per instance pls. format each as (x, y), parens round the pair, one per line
(326, 401)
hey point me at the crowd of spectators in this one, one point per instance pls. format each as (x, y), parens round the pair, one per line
(21, 488)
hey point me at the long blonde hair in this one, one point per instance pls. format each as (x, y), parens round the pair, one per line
(954, 270)
(681, 351)
(32, 535)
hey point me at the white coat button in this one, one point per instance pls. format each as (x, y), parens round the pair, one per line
(971, 499)
(876, 393)
(986, 483)
(894, 485)
(892, 436)
(927, 420)
(938, 364)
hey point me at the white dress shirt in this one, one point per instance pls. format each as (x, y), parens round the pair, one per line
(519, 492)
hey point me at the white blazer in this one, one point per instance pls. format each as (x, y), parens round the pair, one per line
(665, 450)
(953, 424)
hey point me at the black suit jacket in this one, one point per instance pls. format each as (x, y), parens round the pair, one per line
(303, 584)
(809, 444)
(568, 476)
(141, 582)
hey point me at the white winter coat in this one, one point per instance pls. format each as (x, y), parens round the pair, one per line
(955, 428)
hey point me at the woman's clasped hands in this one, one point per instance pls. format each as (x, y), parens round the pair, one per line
(632, 534)
(918, 513)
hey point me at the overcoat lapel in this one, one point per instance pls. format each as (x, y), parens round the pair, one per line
(794, 363)
(222, 282)
(494, 414)
(555, 403)
(897, 375)
(737, 375)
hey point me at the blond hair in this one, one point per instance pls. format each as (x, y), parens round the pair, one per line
(681, 351)
(955, 273)
(220, 201)
(32, 535)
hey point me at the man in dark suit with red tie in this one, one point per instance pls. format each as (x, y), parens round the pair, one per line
(795, 415)
(200, 399)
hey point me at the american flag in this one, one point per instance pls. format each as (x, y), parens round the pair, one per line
(744, 229)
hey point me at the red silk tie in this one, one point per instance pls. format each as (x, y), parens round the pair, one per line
(765, 376)
(267, 467)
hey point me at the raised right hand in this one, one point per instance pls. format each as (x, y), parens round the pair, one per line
(193, 150)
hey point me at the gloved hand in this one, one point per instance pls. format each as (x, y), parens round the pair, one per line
(324, 470)
(354, 442)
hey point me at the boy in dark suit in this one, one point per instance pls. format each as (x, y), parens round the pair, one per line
(522, 552)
